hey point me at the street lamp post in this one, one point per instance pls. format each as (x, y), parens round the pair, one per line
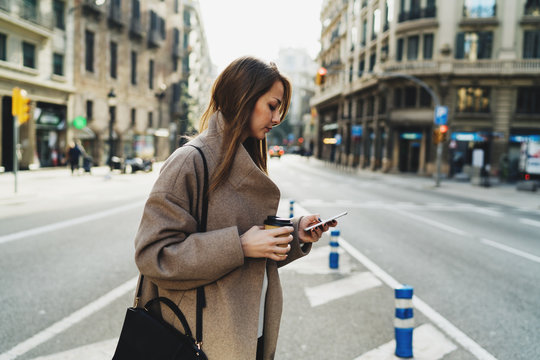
(111, 101)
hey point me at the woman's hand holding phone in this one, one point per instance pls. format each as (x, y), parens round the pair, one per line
(315, 232)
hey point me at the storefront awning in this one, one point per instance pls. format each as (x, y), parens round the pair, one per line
(84, 134)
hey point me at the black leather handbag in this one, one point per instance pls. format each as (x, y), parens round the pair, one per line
(146, 336)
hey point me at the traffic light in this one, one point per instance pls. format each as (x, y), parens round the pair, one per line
(321, 76)
(436, 135)
(16, 101)
(24, 106)
(443, 130)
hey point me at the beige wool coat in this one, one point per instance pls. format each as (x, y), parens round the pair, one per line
(175, 259)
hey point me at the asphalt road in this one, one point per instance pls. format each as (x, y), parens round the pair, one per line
(453, 249)
(476, 262)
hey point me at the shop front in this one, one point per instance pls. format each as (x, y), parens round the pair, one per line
(410, 143)
(50, 120)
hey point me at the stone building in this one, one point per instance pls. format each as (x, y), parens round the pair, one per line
(481, 59)
(123, 66)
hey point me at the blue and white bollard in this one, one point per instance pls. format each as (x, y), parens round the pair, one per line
(404, 321)
(334, 248)
(291, 209)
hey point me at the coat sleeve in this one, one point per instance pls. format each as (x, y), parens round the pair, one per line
(168, 249)
(297, 250)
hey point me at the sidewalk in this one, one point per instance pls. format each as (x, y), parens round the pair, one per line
(501, 194)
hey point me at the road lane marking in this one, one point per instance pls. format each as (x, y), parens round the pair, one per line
(101, 350)
(333, 290)
(511, 250)
(442, 323)
(69, 321)
(433, 223)
(428, 343)
(67, 223)
(529, 222)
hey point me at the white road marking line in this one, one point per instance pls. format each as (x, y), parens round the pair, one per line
(69, 321)
(432, 223)
(101, 350)
(333, 290)
(67, 223)
(443, 324)
(428, 344)
(511, 250)
(529, 222)
(318, 263)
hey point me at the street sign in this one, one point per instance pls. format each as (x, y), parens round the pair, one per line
(441, 115)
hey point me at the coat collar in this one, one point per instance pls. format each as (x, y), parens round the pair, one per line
(244, 171)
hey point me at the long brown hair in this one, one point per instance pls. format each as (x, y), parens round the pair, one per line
(234, 94)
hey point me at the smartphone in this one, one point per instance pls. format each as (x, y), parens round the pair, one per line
(325, 221)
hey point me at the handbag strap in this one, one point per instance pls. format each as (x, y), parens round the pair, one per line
(201, 299)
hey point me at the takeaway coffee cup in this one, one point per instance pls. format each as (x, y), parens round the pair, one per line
(273, 222)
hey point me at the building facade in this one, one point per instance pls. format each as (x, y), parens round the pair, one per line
(122, 66)
(480, 58)
(299, 67)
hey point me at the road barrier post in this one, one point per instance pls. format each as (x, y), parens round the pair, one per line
(404, 321)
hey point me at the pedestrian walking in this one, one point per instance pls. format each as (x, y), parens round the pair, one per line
(236, 259)
(73, 154)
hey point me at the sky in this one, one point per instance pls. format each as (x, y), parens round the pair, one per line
(260, 28)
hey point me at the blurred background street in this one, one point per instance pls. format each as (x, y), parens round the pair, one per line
(421, 118)
(471, 254)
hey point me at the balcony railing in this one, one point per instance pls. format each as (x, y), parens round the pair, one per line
(115, 17)
(479, 67)
(415, 14)
(135, 28)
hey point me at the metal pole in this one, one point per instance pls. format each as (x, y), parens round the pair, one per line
(15, 149)
(438, 164)
(111, 123)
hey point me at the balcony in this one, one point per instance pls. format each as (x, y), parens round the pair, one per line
(91, 8)
(135, 28)
(154, 39)
(416, 14)
(471, 68)
(115, 17)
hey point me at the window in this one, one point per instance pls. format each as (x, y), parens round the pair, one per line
(58, 64)
(479, 8)
(361, 67)
(133, 68)
(475, 100)
(412, 47)
(528, 100)
(360, 108)
(398, 98)
(89, 110)
(150, 119)
(532, 7)
(410, 96)
(89, 45)
(114, 59)
(372, 60)
(29, 55)
(58, 10)
(3, 47)
(531, 44)
(370, 105)
(133, 117)
(399, 52)
(474, 45)
(428, 46)
(351, 73)
(151, 74)
(364, 33)
(425, 98)
(376, 25)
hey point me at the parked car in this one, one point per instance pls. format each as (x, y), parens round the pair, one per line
(276, 151)
(132, 165)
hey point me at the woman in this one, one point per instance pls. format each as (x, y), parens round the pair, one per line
(236, 260)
